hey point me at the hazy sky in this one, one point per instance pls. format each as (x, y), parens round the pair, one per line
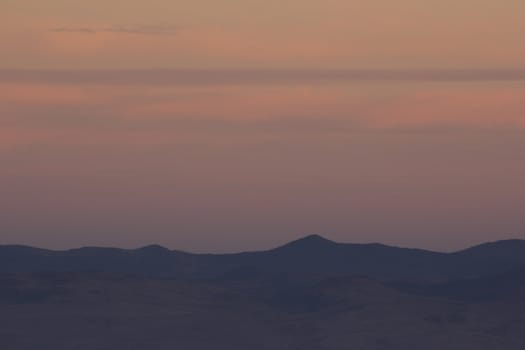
(228, 125)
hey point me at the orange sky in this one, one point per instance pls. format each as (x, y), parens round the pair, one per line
(285, 33)
(225, 125)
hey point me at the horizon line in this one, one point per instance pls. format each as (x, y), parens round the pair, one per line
(302, 238)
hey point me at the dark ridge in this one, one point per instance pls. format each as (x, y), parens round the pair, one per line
(307, 256)
(514, 245)
(310, 241)
(511, 245)
(23, 249)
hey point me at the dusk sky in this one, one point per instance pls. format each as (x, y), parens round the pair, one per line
(215, 126)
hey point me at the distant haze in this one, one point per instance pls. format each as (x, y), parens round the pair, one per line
(234, 125)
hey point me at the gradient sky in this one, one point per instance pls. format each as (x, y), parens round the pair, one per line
(232, 125)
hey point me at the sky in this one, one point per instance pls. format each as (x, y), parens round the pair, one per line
(239, 125)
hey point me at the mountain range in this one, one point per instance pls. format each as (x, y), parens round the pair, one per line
(309, 294)
(309, 255)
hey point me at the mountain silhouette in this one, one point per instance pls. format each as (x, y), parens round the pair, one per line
(311, 293)
(312, 242)
(312, 254)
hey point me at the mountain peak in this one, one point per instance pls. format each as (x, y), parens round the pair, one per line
(310, 241)
(315, 239)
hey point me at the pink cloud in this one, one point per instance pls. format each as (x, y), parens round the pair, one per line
(39, 114)
(46, 94)
(493, 108)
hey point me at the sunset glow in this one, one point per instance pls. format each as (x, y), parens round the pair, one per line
(220, 126)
